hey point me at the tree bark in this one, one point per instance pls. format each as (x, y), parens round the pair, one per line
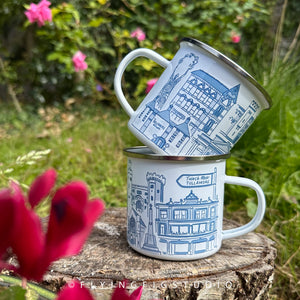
(242, 269)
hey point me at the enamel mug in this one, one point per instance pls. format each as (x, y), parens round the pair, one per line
(175, 204)
(201, 105)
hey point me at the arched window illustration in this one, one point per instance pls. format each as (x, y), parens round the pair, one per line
(184, 229)
(195, 228)
(212, 212)
(194, 109)
(139, 205)
(132, 226)
(188, 104)
(181, 100)
(201, 113)
(174, 229)
(212, 226)
(162, 229)
(208, 125)
(218, 111)
(202, 227)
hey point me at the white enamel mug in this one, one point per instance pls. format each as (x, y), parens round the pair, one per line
(201, 105)
(175, 204)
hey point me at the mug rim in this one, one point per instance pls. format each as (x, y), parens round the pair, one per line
(231, 64)
(146, 153)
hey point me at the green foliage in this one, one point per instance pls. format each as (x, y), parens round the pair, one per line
(269, 153)
(12, 293)
(10, 289)
(101, 30)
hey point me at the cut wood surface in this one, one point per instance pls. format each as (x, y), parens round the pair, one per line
(242, 269)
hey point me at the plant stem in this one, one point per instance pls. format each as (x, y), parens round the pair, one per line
(278, 38)
(24, 282)
(16, 281)
(11, 91)
(292, 45)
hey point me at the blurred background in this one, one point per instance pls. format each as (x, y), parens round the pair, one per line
(54, 115)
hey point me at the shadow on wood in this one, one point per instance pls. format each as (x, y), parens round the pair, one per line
(242, 269)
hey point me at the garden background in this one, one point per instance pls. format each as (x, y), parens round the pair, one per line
(52, 115)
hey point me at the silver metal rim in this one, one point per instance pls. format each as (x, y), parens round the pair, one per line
(232, 64)
(144, 152)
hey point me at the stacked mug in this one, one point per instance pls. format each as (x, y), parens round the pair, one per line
(198, 109)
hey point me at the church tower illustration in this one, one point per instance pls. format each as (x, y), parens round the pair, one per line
(155, 194)
(174, 225)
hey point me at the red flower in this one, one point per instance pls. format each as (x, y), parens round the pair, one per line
(71, 219)
(74, 291)
(9, 218)
(120, 292)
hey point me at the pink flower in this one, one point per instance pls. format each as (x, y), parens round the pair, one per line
(78, 61)
(39, 13)
(88, 150)
(120, 292)
(71, 220)
(235, 38)
(150, 84)
(74, 290)
(139, 34)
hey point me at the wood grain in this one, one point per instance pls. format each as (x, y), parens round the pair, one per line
(242, 269)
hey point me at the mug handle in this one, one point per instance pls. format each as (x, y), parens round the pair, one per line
(235, 232)
(123, 65)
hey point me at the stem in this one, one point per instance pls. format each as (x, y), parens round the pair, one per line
(40, 290)
(24, 282)
(278, 37)
(293, 44)
(11, 91)
(14, 98)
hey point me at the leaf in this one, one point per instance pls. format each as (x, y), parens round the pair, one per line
(99, 21)
(102, 2)
(13, 293)
(251, 208)
(147, 64)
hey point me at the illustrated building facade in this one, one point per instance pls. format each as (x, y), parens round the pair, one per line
(173, 226)
(189, 123)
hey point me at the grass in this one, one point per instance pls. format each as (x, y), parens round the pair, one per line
(86, 142)
(269, 153)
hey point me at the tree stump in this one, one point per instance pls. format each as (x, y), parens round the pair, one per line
(242, 269)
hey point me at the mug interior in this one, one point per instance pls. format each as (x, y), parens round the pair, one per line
(145, 152)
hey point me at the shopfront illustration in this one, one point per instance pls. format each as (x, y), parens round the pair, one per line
(174, 226)
(186, 119)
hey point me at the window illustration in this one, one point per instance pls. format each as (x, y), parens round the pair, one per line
(163, 214)
(185, 225)
(190, 98)
(180, 214)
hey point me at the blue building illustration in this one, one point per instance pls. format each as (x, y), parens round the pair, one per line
(173, 226)
(184, 116)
